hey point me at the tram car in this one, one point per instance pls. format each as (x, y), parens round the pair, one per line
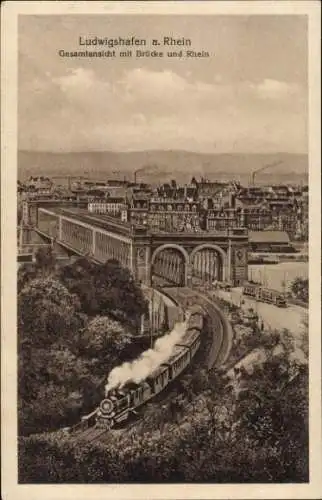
(262, 294)
(118, 404)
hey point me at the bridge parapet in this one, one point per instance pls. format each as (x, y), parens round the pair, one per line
(235, 232)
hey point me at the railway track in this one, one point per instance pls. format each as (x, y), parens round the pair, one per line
(222, 331)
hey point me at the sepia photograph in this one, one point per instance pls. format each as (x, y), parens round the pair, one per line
(161, 288)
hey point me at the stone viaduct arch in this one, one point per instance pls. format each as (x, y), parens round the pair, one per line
(188, 259)
(222, 257)
(174, 246)
(178, 249)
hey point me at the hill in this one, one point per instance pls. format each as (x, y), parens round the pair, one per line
(158, 166)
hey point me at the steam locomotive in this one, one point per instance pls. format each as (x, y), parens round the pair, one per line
(119, 404)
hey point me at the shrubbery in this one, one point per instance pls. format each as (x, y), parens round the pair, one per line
(106, 289)
(300, 289)
(65, 350)
(262, 439)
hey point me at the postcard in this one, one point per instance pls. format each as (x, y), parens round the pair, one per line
(161, 213)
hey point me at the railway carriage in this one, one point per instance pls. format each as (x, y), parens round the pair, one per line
(178, 361)
(139, 393)
(158, 379)
(196, 317)
(191, 340)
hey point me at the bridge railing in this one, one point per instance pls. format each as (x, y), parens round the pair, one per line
(243, 232)
(102, 221)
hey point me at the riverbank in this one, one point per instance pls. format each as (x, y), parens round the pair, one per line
(278, 276)
(275, 258)
(293, 318)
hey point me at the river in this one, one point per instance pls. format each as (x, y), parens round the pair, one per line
(273, 275)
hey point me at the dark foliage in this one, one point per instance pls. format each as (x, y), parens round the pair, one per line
(300, 289)
(226, 438)
(106, 289)
(64, 354)
(45, 265)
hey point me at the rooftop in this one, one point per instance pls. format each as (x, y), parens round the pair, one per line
(268, 237)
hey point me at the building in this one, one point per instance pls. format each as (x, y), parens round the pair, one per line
(32, 194)
(269, 241)
(219, 219)
(40, 184)
(117, 182)
(254, 216)
(174, 214)
(303, 226)
(124, 215)
(138, 207)
(174, 192)
(207, 188)
(114, 206)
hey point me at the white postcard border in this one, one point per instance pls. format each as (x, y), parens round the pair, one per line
(10, 487)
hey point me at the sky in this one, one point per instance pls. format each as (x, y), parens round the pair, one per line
(249, 95)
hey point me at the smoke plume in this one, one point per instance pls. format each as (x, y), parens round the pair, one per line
(148, 361)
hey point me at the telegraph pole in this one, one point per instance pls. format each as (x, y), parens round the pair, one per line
(284, 284)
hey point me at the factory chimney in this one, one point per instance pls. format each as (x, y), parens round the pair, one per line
(232, 200)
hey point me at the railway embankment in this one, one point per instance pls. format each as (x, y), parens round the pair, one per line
(218, 357)
(222, 331)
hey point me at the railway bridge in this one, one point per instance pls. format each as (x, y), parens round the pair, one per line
(176, 257)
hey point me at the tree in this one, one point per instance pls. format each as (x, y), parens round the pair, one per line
(26, 273)
(81, 268)
(300, 289)
(45, 260)
(47, 316)
(55, 387)
(107, 289)
(47, 313)
(199, 381)
(117, 291)
(45, 265)
(64, 359)
(106, 340)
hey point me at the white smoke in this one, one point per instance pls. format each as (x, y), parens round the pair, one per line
(148, 361)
